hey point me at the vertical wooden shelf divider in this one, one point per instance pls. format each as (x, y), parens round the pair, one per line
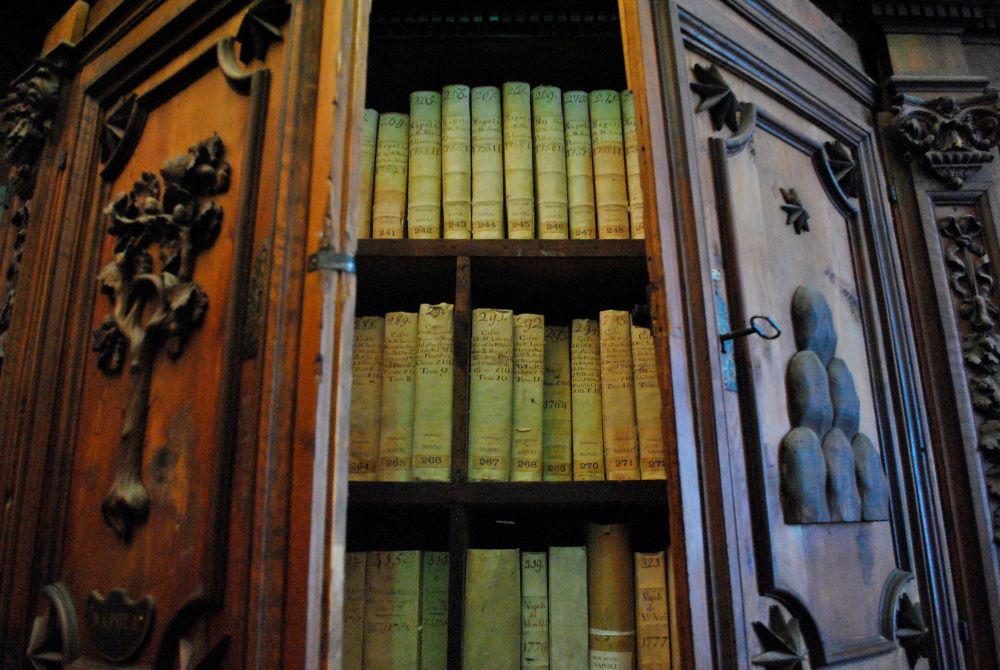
(463, 339)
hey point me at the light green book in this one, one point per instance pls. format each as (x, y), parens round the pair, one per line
(534, 610)
(557, 434)
(399, 362)
(579, 166)
(610, 191)
(550, 163)
(369, 131)
(621, 446)
(392, 611)
(423, 205)
(456, 162)
(354, 610)
(529, 388)
(433, 393)
(391, 161)
(487, 164)
(434, 611)
(568, 622)
(633, 173)
(366, 397)
(588, 428)
(492, 630)
(519, 186)
(491, 387)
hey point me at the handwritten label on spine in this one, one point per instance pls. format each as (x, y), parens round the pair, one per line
(579, 166)
(550, 163)
(621, 449)
(517, 161)
(652, 625)
(366, 397)
(434, 611)
(399, 362)
(433, 393)
(487, 164)
(456, 162)
(557, 435)
(369, 131)
(354, 610)
(391, 160)
(529, 389)
(610, 190)
(611, 592)
(632, 170)
(491, 386)
(647, 405)
(588, 432)
(534, 610)
(392, 610)
(423, 208)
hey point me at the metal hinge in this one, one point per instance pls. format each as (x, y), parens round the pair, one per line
(326, 258)
(893, 197)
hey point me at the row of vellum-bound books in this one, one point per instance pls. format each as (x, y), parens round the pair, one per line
(552, 164)
(546, 403)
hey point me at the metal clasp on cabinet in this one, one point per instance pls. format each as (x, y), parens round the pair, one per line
(326, 258)
(754, 328)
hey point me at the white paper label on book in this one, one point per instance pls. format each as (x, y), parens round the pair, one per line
(487, 164)
(456, 162)
(611, 660)
(491, 385)
(433, 393)
(517, 160)
(529, 389)
(391, 162)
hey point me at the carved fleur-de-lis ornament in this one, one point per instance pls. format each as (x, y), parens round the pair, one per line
(797, 216)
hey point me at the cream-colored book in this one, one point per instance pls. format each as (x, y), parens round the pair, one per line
(491, 389)
(534, 610)
(487, 164)
(632, 171)
(354, 610)
(399, 362)
(611, 593)
(550, 163)
(434, 611)
(652, 625)
(621, 446)
(492, 635)
(579, 166)
(519, 185)
(369, 131)
(366, 397)
(585, 384)
(391, 161)
(557, 433)
(647, 405)
(610, 191)
(423, 203)
(432, 403)
(392, 611)
(568, 617)
(527, 462)
(456, 162)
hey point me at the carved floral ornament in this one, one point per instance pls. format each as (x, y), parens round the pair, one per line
(25, 124)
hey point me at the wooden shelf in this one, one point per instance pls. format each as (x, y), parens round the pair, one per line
(504, 248)
(502, 494)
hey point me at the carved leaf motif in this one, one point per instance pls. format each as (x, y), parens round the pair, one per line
(25, 123)
(716, 97)
(260, 27)
(981, 352)
(989, 440)
(782, 642)
(911, 631)
(843, 167)
(985, 391)
(798, 217)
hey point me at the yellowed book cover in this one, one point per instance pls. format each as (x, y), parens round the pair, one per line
(354, 610)
(557, 433)
(611, 597)
(610, 190)
(434, 611)
(423, 204)
(621, 446)
(529, 389)
(432, 403)
(391, 161)
(534, 610)
(550, 163)
(456, 162)
(399, 362)
(491, 389)
(632, 171)
(585, 383)
(366, 397)
(487, 164)
(392, 611)
(647, 405)
(652, 624)
(569, 638)
(492, 635)
(579, 166)
(369, 131)
(519, 185)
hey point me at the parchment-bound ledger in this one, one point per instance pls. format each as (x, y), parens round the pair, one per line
(519, 185)
(621, 447)
(529, 390)
(392, 611)
(423, 206)
(610, 190)
(611, 590)
(366, 397)
(647, 405)
(588, 431)
(568, 617)
(433, 393)
(391, 160)
(632, 172)
(434, 611)
(492, 636)
(550, 163)
(534, 610)
(491, 388)
(369, 131)
(652, 625)
(354, 610)
(487, 164)
(579, 166)
(557, 433)
(456, 162)
(399, 362)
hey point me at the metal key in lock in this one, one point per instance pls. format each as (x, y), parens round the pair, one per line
(755, 328)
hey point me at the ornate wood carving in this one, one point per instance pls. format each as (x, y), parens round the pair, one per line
(153, 307)
(716, 97)
(951, 138)
(119, 626)
(782, 642)
(260, 27)
(911, 631)
(55, 638)
(122, 129)
(796, 214)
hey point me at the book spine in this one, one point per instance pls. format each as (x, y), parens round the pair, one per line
(456, 162)
(391, 160)
(557, 435)
(434, 611)
(632, 171)
(585, 385)
(569, 639)
(610, 191)
(611, 592)
(354, 610)
(369, 131)
(647, 405)
(534, 610)
(579, 166)
(550, 163)
(392, 610)
(529, 388)
(366, 397)
(492, 631)
(423, 207)
(432, 402)
(487, 164)
(399, 362)
(491, 387)
(652, 625)
(519, 184)
(621, 448)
